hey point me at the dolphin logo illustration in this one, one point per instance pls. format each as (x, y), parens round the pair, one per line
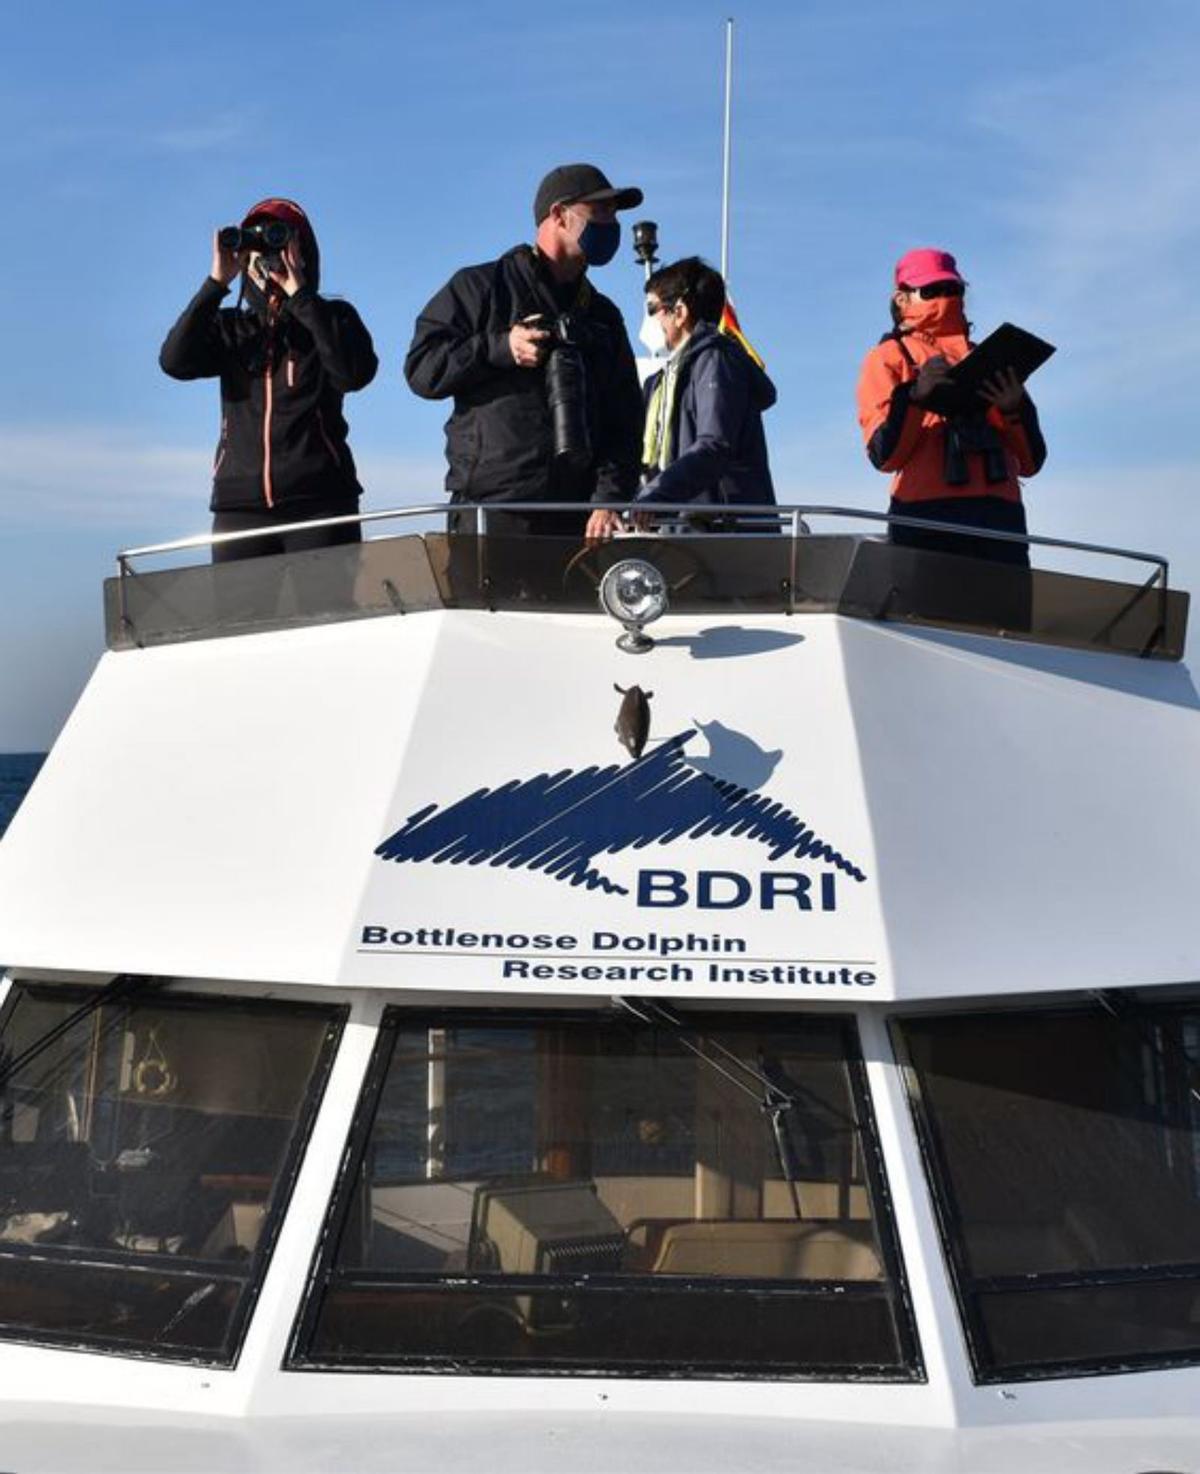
(560, 822)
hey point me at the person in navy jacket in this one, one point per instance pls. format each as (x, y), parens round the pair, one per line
(704, 442)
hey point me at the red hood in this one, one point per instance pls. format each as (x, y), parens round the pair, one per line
(277, 208)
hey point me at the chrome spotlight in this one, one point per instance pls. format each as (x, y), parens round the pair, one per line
(634, 592)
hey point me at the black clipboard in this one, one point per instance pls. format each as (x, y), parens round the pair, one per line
(1008, 347)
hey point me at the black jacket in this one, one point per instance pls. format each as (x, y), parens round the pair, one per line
(499, 441)
(283, 374)
(719, 451)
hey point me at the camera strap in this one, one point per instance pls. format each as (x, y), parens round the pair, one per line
(897, 337)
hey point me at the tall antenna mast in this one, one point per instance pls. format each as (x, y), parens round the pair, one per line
(728, 149)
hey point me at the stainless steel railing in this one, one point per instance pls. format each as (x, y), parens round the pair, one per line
(790, 520)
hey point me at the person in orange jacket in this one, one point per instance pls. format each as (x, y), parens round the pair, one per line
(960, 468)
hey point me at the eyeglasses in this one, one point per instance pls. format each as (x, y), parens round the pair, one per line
(654, 308)
(937, 289)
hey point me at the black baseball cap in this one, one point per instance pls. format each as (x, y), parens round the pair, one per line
(577, 183)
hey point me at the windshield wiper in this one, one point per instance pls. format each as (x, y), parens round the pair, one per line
(772, 1099)
(120, 989)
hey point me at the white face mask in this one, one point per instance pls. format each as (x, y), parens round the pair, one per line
(652, 337)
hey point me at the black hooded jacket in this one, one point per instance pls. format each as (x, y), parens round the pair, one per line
(283, 373)
(499, 441)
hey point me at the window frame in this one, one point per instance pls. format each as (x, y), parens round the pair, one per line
(969, 1289)
(254, 1269)
(324, 1275)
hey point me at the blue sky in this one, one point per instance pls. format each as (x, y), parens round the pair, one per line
(1051, 146)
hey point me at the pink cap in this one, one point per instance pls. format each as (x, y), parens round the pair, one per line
(925, 265)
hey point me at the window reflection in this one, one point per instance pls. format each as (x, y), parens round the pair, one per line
(589, 1155)
(143, 1143)
(1065, 1149)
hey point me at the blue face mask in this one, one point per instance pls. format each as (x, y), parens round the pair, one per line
(599, 242)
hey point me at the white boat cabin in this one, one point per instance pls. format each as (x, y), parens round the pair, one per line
(439, 1033)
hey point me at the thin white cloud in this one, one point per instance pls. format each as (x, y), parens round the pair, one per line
(95, 477)
(197, 136)
(1110, 171)
(1107, 209)
(218, 134)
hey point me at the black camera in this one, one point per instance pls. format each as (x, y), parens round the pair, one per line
(267, 236)
(566, 390)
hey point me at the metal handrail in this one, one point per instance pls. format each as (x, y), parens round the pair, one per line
(794, 513)
(217, 539)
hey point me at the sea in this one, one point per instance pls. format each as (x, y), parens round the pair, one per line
(17, 772)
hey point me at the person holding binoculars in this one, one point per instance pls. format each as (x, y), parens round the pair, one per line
(546, 401)
(285, 357)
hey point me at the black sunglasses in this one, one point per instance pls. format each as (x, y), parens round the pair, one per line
(938, 289)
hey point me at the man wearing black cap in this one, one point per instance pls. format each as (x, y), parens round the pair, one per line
(486, 339)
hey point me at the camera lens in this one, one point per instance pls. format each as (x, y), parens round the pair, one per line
(566, 391)
(275, 234)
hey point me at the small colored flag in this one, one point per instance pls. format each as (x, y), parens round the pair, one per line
(730, 326)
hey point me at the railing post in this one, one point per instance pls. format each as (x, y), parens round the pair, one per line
(481, 537)
(122, 575)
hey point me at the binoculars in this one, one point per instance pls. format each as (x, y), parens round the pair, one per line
(267, 236)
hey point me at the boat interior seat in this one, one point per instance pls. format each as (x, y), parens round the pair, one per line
(768, 1248)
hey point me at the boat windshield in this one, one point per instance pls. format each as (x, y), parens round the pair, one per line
(147, 1145)
(1064, 1149)
(540, 1194)
(713, 575)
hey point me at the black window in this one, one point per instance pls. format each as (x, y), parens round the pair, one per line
(147, 1146)
(609, 1193)
(1064, 1152)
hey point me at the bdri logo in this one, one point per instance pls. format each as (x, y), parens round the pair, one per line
(560, 822)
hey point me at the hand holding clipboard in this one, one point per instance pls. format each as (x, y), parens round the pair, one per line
(960, 388)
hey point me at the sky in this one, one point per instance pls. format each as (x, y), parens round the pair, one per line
(1051, 146)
